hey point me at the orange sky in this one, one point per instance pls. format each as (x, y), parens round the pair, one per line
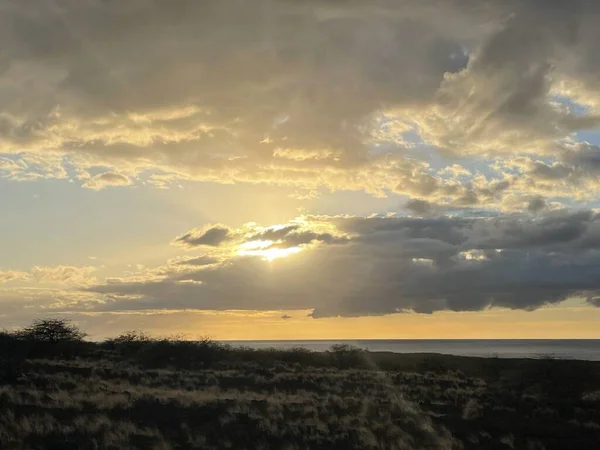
(571, 320)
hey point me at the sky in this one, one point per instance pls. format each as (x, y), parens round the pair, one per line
(320, 169)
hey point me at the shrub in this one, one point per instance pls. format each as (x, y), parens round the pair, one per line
(11, 361)
(178, 353)
(129, 337)
(128, 343)
(52, 331)
(562, 378)
(346, 356)
(432, 364)
(49, 338)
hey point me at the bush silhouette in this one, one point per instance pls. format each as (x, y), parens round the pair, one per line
(562, 378)
(130, 337)
(52, 331)
(128, 343)
(11, 359)
(345, 356)
(50, 338)
(150, 352)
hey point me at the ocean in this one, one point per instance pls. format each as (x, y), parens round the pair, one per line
(585, 349)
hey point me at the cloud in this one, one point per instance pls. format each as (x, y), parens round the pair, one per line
(202, 260)
(325, 95)
(594, 301)
(536, 204)
(46, 290)
(171, 99)
(502, 102)
(286, 317)
(19, 305)
(211, 236)
(393, 264)
(106, 179)
(12, 275)
(293, 236)
(421, 207)
(69, 275)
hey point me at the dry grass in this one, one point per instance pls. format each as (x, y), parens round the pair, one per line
(85, 404)
(142, 393)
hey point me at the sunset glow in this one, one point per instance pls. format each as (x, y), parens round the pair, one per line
(264, 250)
(375, 165)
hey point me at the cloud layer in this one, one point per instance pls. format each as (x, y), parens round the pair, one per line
(384, 265)
(311, 94)
(66, 275)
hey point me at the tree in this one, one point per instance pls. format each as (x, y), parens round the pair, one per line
(52, 331)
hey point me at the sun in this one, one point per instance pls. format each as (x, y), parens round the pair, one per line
(275, 253)
(265, 250)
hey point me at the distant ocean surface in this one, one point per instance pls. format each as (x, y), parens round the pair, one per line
(587, 349)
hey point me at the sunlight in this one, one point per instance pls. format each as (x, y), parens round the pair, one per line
(276, 253)
(261, 248)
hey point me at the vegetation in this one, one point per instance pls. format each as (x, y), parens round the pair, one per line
(58, 391)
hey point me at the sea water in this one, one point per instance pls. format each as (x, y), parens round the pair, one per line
(586, 349)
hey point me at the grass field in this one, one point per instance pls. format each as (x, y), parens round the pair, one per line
(135, 392)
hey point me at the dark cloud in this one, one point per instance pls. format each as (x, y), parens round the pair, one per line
(594, 301)
(294, 236)
(306, 237)
(443, 229)
(395, 264)
(552, 231)
(536, 204)
(212, 237)
(273, 234)
(583, 156)
(577, 165)
(421, 207)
